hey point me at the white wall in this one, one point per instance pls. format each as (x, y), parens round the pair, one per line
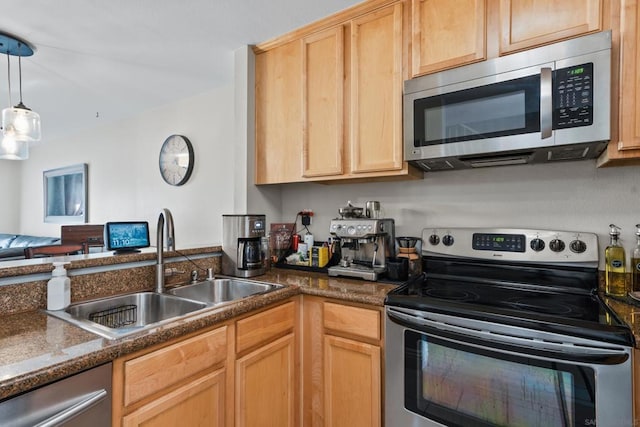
(573, 196)
(124, 181)
(10, 190)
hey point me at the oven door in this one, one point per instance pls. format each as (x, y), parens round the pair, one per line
(451, 371)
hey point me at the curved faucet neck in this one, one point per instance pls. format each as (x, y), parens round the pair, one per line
(171, 245)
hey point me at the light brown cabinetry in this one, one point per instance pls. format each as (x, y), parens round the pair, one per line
(342, 345)
(243, 373)
(625, 149)
(266, 368)
(279, 114)
(348, 94)
(448, 34)
(184, 382)
(527, 24)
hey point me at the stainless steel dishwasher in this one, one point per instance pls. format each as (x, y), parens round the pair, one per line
(77, 401)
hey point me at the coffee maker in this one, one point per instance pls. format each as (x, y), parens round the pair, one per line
(241, 245)
(365, 244)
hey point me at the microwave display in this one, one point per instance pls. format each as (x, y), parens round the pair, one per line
(573, 96)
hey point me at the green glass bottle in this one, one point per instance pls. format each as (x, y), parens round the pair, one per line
(615, 280)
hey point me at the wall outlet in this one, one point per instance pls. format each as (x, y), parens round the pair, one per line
(306, 219)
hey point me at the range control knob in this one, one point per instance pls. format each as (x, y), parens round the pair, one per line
(447, 240)
(434, 239)
(537, 244)
(578, 246)
(556, 245)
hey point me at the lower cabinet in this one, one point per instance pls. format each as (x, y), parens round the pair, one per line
(265, 385)
(266, 369)
(242, 373)
(198, 403)
(341, 364)
(183, 383)
(308, 361)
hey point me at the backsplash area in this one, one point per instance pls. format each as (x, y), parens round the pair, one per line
(573, 196)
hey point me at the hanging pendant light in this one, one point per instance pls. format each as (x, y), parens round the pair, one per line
(20, 125)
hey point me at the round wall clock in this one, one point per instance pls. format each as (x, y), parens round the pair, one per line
(176, 160)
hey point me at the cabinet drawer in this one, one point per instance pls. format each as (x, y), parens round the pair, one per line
(148, 374)
(352, 320)
(264, 326)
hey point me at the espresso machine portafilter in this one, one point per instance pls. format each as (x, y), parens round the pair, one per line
(241, 245)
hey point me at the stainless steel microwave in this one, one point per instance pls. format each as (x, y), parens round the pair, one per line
(547, 104)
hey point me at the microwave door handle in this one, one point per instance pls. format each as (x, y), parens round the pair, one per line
(546, 103)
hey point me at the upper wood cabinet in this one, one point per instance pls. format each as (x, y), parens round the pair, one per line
(624, 148)
(279, 114)
(376, 91)
(340, 117)
(526, 24)
(447, 34)
(323, 101)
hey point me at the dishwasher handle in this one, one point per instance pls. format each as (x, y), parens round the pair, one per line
(74, 410)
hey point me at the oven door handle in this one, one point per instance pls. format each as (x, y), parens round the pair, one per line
(505, 343)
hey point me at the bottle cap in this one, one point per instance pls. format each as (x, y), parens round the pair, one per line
(59, 269)
(614, 230)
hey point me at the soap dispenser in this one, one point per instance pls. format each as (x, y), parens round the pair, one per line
(615, 281)
(635, 263)
(58, 288)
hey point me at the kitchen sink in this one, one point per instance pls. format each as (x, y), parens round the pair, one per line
(123, 315)
(219, 291)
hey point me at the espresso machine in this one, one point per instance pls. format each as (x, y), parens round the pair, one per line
(365, 244)
(241, 245)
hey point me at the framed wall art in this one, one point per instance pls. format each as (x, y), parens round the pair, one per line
(65, 194)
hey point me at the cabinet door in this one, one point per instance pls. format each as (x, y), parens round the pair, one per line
(279, 114)
(199, 403)
(265, 385)
(323, 76)
(447, 34)
(352, 392)
(629, 85)
(526, 24)
(376, 91)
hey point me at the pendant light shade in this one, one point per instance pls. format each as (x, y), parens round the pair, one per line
(11, 149)
(22, 122)
(20, 125)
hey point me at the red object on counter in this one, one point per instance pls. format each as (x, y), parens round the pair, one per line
(294, 242)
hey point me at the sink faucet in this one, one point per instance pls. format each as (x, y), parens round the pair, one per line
(171, 245)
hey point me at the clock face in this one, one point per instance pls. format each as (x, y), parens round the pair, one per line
(176, 160)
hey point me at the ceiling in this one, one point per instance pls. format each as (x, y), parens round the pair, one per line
(108, 60)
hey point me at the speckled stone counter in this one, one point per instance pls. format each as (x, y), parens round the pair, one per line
(628, 313)
(36, 349)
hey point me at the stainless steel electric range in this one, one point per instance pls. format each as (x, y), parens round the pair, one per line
(505, 328)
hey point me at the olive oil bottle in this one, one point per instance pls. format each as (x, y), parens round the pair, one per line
(615, 280)
(635, 263)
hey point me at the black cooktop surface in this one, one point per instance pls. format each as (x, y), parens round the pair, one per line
(558, 300)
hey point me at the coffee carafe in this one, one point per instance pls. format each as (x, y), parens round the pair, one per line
(241, 245)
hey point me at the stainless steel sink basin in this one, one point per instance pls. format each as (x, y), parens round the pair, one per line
(122, 315)
(220, 291)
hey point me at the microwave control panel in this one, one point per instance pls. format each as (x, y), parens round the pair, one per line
(573, 96)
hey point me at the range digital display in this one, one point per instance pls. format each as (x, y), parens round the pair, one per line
(499, 242)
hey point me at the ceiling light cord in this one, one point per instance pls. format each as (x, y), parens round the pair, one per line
(19, 75)
(9, 76)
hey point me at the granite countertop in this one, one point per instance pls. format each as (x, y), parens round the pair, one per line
(36, 349)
